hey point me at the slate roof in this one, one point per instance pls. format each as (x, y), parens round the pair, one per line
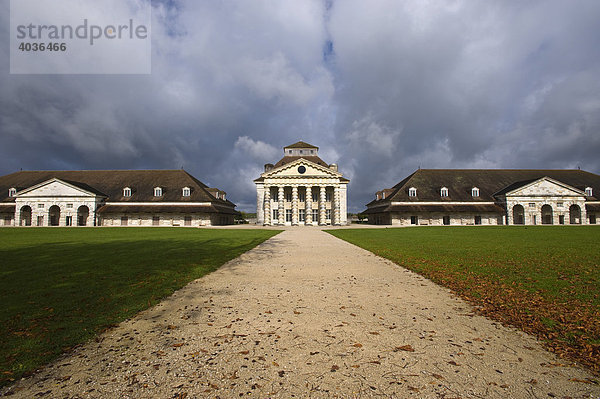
(110, 183)
(491, 183)
(311, 158)
(301, 144)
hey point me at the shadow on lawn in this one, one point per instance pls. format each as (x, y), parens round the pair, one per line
(56, 296)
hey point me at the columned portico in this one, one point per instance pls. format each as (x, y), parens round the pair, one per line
(298, 176)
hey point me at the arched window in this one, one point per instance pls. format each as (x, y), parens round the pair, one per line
(518, 214)
(12, 192)
(412, 192)
(589, 192)
(547, 214)
(574, 214)
(158, 192)
(186, 191)
(127, 192)
(443, 192)
(475, 192)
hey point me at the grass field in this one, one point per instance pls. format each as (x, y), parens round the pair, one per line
(59, 287)
(542, 279)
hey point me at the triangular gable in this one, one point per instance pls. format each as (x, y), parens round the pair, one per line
(544, 187)
(291, 169)
(55, 188)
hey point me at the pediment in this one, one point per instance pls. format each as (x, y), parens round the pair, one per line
(291, 170)
(545, 187)
(55, 188)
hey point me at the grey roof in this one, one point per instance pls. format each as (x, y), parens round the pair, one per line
(301, 144)
(110, 183)
(491, 183)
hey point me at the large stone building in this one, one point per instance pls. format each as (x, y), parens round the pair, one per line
(301, 189)
(111, 198)
(489, 196)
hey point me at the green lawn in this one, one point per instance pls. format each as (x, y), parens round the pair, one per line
(543, 279)
(61, 286)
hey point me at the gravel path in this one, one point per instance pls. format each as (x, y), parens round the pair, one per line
(308, 315)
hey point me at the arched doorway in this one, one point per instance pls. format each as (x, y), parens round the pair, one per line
(54, 215)
(574, 214)
(25, 216)
(547, 214)
(83, 212)
(518, 214)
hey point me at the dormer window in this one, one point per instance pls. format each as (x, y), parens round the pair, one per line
(443, 192)
(589, 192)
(12, 192)
(412, 192)
(186, 192)
(383, 195)
(158, 192)
(127, 192)
(475, 192)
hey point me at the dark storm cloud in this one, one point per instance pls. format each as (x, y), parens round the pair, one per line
(382, 87)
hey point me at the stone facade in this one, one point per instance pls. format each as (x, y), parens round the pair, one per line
(112, 198)
(489, 197)
(301, 189)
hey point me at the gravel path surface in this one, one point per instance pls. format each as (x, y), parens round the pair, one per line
(308, 315)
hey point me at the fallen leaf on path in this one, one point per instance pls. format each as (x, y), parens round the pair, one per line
(406, 348)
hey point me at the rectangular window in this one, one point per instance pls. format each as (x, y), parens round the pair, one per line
(315, 215)
(69, 220)
(288, 197)
(124, 220)
(70, 206)
(328, 214)
(301, 215)
(40, 220)
(561, 219)
(315, 197)
(534, 219)
(477, 219)
(559, 204)
(40, 206)
(532, 204)
(446, 220)
(275, 214)
(301, 197)
(288, 215)
(592, 218)
(155, 220)
(187, 221)
(414, 220)
(328, 197)
(7, 221)
(276, 197)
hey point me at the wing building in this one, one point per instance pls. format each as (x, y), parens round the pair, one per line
(489, 196)
(111, 198)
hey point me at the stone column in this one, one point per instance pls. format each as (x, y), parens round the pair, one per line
(322, 207)
(260, 204)
(336, 206)
(295, 215)
(281, 207)
(268, 213)
(308, 206)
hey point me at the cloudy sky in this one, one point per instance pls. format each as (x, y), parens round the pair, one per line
(382, 87)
